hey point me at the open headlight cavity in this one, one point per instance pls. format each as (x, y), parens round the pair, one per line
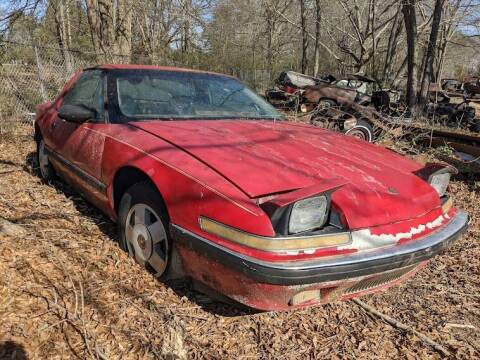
(308, 214)
(438, 176)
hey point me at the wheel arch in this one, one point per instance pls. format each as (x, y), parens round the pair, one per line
(37, 135)
(323, 98)
(124, 178)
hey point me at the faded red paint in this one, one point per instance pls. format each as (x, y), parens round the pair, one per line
(380, 184)
(220, 168)
(268, 296)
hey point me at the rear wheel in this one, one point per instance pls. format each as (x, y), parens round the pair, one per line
(143, 224)
(363, 131)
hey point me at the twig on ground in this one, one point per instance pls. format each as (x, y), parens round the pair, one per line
(401, 326)
(460, 326)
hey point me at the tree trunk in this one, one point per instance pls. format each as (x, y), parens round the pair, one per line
(316, 61)
(442, 50)
(428, 74)
(110, 28)
(409, 17)
(303, 18)
(123, 30)
(62, 32)
(270, 31)
(392, 46)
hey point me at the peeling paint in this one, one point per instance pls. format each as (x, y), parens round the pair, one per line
(365, 240)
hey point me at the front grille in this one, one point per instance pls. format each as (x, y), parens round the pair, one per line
(378, 280)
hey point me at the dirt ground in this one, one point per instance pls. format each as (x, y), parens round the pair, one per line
(67, 291)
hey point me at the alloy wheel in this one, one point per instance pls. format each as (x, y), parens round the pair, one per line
(146, 238)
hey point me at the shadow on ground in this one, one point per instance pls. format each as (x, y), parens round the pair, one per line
(10, 350)
(206, 298)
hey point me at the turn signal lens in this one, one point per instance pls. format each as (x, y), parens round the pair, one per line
(447, 205)
(265, 243)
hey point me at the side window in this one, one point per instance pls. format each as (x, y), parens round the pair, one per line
(87, 91)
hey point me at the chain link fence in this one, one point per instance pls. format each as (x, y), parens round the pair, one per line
(32, 74)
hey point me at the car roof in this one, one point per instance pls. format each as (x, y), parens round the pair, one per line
(151, 67)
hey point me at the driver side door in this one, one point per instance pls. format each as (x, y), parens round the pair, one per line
(77, 149)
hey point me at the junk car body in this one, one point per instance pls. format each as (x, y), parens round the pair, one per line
(290, 85)
(206, 180)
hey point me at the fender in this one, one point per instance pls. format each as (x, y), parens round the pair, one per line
(165, 166)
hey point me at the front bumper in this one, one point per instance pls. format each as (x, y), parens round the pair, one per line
(330, 268)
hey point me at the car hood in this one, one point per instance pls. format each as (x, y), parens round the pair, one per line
(269, 157)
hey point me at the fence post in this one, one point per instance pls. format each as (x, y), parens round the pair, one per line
(40, 78)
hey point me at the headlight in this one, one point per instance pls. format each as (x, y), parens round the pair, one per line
(439, 181)
(303, 108)
(308, 214)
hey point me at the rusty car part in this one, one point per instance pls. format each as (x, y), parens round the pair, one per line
(451, 85)
(465, 143)
(354, 119)
(333, 118)
(328, 92)
(471, 87)
(455, 115)
(346, 90)
(289, 86)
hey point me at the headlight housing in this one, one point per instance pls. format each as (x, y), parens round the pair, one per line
(308, 214)
(438, 176)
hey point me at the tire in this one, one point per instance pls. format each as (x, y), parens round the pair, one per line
(363, 131)
(143, 228)
(47, 172)
(475, 127)
(326, 103)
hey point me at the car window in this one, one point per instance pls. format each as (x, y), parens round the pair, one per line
(87, 91)
(184, 95)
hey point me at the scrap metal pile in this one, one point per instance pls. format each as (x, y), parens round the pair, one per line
(358, 106)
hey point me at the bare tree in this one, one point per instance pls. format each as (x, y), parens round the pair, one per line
(427, 73)
(454, 13)
(316, 54)
(110, 27)
(303, 22)
(410, 20)
(392, 45)
(63, 30)
(368, 21)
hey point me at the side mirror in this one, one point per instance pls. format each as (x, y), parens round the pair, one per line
(76, 113)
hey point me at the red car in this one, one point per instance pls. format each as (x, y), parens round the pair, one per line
(207, 181)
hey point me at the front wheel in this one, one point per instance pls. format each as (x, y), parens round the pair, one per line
(362, 130)
(143, 224)
(46, 169)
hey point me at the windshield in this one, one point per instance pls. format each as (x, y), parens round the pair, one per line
(156, 94)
